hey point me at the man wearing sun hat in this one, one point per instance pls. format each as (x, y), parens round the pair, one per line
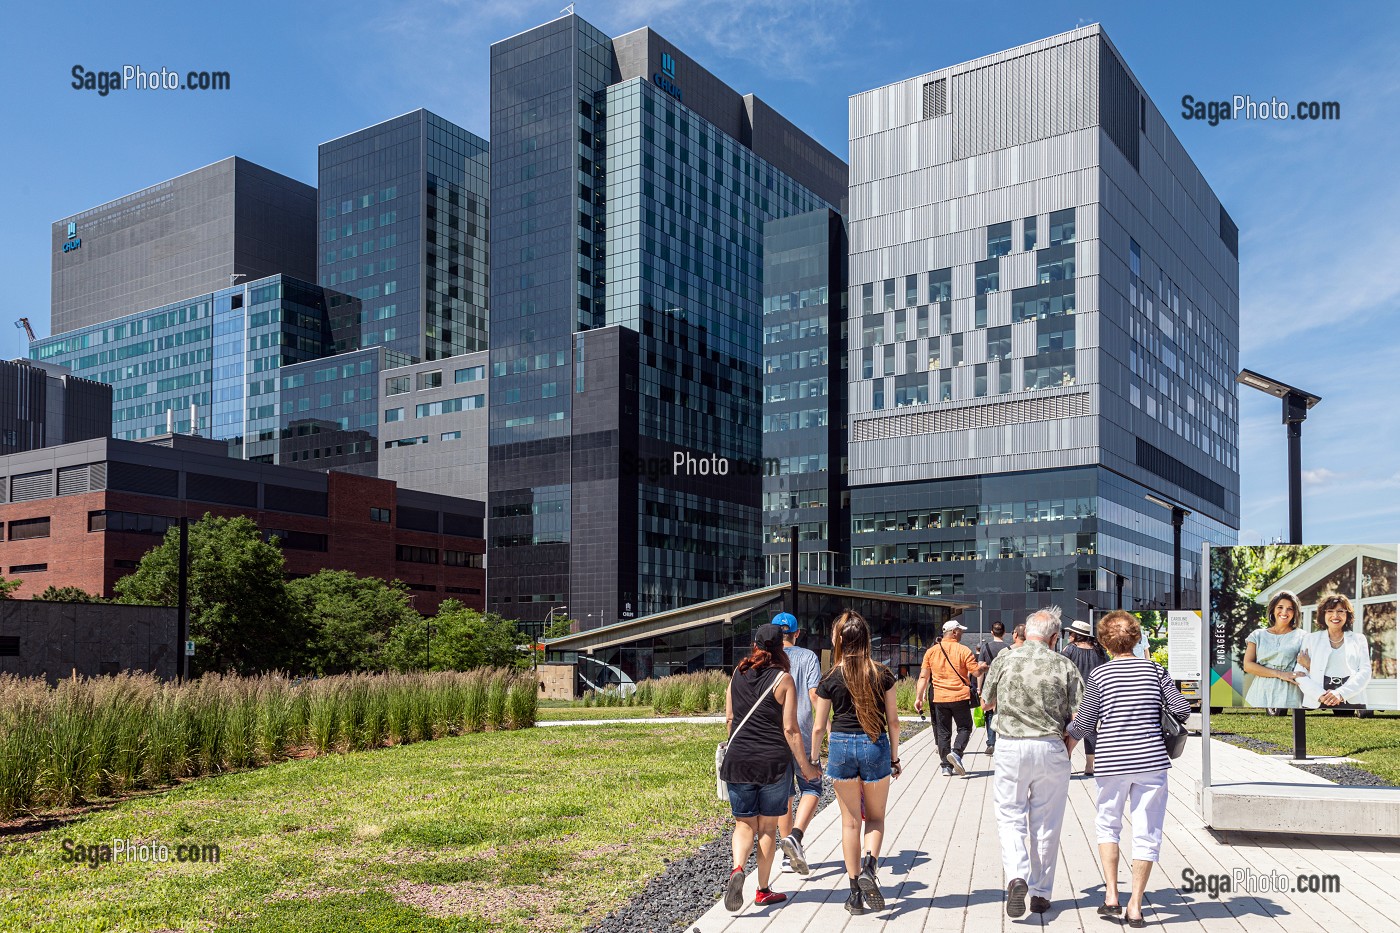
(806, 670)
(949, 667)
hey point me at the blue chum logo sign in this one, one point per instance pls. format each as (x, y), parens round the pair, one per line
(73, 241)
(666, 77)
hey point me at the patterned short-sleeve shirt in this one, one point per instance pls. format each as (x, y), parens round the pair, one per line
(1034, 690)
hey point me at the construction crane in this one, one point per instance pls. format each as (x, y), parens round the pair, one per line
(23, 324)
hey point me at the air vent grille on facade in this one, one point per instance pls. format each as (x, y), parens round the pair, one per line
(996, 414)
(97, 476)
(26, 487)
(935, 98)
(73, 480)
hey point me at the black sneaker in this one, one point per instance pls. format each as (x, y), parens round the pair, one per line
(868, 885)
(855, 904)
(1016, 898)
(734, 891)
(792, 848)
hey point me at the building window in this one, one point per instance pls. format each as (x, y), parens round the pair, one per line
(379, 515)
(462, 559)
(1062, 227)
(911, 290)
(999, 343)
(416, 555)
(1055, 264)
(451, 436)
(398, 385)
(999, 239)
(988, 273)
(889, 295)
(9, 646)
(979, 312)
(940, 285)
(1028, 232)
(470, 374)
(430, 380)
(133, 522)
(979, 380)
(29, 528)
(393, 414)
(28, 568)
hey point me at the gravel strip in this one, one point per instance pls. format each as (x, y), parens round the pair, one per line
(1343, 774)
(691, 885)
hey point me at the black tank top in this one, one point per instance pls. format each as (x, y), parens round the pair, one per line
(759, 753)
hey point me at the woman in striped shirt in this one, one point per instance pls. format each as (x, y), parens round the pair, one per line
(1122, 705)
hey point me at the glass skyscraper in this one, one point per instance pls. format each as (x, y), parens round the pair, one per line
(217, 356)
(804, 398)
(403, 231)
(1044, 324)
(630, 192)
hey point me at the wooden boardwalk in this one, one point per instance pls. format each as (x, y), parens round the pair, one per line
(941, 867)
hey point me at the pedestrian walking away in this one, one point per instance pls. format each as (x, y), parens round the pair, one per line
(1034, 691)
(1086, 654)
(856, 701)
(948, 669)
(760, 708)
(806, 670)
(1124, 701)
(986, 654)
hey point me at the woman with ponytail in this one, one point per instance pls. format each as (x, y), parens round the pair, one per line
(856, 702)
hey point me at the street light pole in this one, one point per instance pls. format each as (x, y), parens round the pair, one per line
(534, 652)
(1178, 516)
(1296, 404)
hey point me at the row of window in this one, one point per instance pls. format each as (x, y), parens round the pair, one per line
(994, 513)
(442, 407)
(1003, 548)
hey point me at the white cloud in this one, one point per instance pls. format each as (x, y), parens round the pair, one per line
(1319, 477)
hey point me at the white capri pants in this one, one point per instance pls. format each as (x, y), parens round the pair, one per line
(1145, 793)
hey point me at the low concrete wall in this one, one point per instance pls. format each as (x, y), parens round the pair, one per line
(556, 681)
(56, 639)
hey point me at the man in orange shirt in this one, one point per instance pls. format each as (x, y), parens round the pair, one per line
(950, 667)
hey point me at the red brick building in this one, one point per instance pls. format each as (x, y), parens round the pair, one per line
(83, 515)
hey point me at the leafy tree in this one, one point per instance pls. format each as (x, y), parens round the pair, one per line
(69, 594)
(349, 619)
(559, 628)
(9, 586)
(240, 616)
(462, 639)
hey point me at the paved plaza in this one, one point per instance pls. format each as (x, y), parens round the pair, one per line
(941, 868)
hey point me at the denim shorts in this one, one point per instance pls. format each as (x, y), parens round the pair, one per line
(805, 786)
(853, 755)
(748, 800)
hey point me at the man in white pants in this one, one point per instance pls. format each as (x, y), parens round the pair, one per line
(1034, 691)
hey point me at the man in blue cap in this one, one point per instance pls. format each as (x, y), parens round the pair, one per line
(806, 669)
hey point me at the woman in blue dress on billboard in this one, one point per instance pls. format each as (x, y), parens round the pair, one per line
(1334, 666)
(1271, 653)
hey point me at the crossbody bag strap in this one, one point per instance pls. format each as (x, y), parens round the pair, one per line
(761, 697)
(953, 669)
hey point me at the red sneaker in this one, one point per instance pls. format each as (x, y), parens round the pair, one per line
(764, 898)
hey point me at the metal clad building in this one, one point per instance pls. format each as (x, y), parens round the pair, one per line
(1078, 282)
(182, 237)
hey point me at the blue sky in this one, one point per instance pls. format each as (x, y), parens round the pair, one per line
(1317, 203)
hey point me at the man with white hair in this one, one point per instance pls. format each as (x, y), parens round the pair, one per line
(1034, 691)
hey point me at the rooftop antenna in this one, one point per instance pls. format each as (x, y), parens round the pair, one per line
(23, 324)
(233, 278)
(568, 10)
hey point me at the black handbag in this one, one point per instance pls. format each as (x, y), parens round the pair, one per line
(1173, 732)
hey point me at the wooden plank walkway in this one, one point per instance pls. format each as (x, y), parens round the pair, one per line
(941, 867)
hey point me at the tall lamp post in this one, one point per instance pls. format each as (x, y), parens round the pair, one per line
(1178, 515)
(534, 652)
(1296, 404)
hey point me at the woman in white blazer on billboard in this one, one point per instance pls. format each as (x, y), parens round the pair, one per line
(1334, 666)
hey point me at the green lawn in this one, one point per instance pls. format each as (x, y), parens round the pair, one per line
(538, 830)
(1375, 742)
